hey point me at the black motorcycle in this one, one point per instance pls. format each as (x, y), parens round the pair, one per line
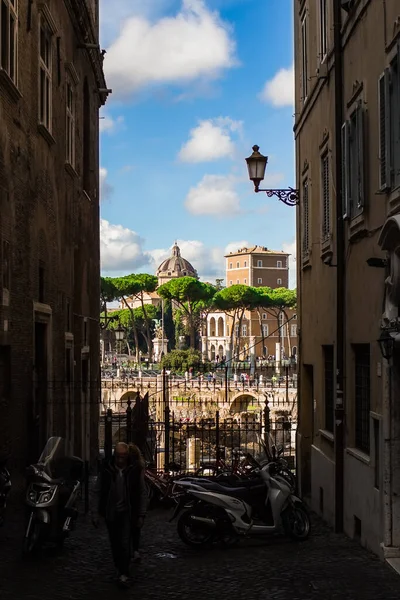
(5, 487)
(54, 486)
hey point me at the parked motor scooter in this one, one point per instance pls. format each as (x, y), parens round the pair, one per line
(259, 506)
(5, 487)
(54, 485)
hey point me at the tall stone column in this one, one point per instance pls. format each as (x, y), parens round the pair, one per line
(252, 350)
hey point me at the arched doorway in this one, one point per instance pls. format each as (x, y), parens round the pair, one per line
(220, 352)
(212, 350)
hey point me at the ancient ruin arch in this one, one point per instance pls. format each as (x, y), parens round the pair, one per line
(245, 399)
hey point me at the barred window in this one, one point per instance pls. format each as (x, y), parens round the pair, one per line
(326, 198)
(362, 396)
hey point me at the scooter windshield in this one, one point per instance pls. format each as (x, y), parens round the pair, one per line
(53, 454)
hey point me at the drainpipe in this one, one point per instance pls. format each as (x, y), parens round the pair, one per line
(340, 275)
(387, 456)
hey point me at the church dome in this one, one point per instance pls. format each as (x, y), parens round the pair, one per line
(175, 266)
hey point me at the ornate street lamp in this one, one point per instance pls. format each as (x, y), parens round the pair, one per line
(256, 165)
(386, 343)
(119, 333)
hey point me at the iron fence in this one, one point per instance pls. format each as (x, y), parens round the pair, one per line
(190, 434)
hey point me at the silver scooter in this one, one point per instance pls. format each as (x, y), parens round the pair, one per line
(260, 506)
(54, 486)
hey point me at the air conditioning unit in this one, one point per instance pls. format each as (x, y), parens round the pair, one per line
(347, 5)
(322, 71)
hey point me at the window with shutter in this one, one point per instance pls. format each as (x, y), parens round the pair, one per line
(395, 120)
(304, 57)
(326, 204)
(345, 169)
(353, 164)
(384, 130)
(389, 125)
(306, 219)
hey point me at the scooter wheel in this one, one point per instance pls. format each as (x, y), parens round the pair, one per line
(30, 543)
(296, 522)
(192, 533)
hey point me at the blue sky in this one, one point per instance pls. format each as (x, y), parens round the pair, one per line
(195, 84)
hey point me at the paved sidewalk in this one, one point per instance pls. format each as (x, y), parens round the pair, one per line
(326, 567)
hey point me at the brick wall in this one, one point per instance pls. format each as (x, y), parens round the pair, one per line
(52, 226)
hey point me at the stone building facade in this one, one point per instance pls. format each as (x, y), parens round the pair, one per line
(347, 130)
(51, 87)
(262, 332)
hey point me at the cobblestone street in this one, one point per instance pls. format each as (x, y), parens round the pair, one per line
(328, 566)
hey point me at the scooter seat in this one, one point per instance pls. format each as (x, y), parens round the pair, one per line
(243, 491)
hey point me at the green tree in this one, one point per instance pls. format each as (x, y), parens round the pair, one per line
(136, 286)
(234, 301)
(180, 361)
(276, 302)
(107, 293)
(189, 295)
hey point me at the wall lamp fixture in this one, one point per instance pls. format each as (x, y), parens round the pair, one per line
(256, 165)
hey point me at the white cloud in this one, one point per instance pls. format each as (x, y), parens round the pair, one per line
(210, 140)
(122, 252)
(193, 44)
(106, 189)
(121, 249)
(213, 195)
(291, 248)
(279, 91)
(108, 124)
(235, 246)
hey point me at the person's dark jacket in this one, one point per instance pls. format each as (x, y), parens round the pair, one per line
(136, 492)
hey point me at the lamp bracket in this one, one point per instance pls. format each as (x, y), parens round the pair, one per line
(289, 196)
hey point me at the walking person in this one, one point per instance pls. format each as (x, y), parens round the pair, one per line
(122, 504)
(136, 460)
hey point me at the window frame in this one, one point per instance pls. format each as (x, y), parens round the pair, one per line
(362, 403)
(387, 175)
(265, 330)
(259, 264)
(279, 281)
(259, 280)
(293, 328)
(304, 55)
(353, 163)
(306, 216)
(11, 69)
(323, 30)
(47, 70)
(329, 387)
(279, 264)
(70, 117)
